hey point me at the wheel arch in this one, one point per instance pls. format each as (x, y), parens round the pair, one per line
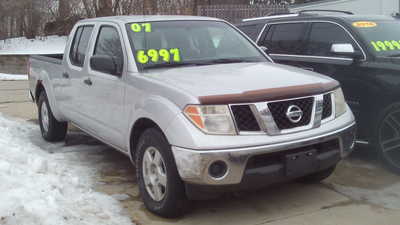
(152, 111)
(41, 87)
(137, 130)
(38, 90)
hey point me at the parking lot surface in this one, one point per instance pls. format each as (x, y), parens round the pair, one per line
(360, 192)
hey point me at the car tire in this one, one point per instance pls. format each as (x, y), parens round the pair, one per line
(387, 132)
(51, 129)
(319, 176)
(161, 188)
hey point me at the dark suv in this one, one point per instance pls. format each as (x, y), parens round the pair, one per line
(361, 52)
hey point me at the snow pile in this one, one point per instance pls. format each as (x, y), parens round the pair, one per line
(13, 76)
(41, 45)
(40, 188)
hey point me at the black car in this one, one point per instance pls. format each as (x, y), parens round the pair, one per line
(361, 52)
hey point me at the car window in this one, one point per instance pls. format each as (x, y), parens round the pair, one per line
(323, 35)
(251, 30)
(74, 46)
(80, 44)
(216, 36)
(109, 44)
(285, 38)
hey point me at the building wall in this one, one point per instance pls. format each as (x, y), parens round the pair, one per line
(382, 7)
(13, 64)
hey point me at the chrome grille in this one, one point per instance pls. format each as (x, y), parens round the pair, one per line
(327, 108)
(245, 119)
(270, 117)
(279, 109)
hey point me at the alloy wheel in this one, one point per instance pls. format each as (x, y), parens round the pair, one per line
(389, 138)
(44, 116)
(154, 174)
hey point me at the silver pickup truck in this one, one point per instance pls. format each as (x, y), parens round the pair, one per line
(195, 104)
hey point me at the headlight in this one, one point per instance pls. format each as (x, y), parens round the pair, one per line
(211, 119)
(340, 102)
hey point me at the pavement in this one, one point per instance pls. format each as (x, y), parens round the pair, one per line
(361, 191)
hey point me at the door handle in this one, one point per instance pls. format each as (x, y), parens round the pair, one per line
(65, 75)
(88, 82)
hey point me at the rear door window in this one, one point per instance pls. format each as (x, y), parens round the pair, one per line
(286, 38)
(79, 45)
(323, 35)
(74, 46)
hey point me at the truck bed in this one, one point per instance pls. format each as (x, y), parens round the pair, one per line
(53, 58)
(44, 66)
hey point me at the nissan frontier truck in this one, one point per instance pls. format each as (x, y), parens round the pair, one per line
(194, 103)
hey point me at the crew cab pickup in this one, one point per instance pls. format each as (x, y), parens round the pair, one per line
(194, 103)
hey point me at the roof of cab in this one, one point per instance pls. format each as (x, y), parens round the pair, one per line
(314, 16)
(147, 18)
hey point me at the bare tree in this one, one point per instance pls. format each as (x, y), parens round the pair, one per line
(64, 9)
(57, 17)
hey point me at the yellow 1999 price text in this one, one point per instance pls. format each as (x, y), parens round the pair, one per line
(386, 45)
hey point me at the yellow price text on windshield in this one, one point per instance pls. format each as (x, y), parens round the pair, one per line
(386, 45)
(139, 27)
(364, 24)
(158, 55)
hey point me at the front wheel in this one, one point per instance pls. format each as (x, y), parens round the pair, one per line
(387, 139)
(160, 185)
(51, 129)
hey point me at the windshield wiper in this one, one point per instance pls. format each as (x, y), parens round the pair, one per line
(198, 63)
(227, 60)
(170, 65)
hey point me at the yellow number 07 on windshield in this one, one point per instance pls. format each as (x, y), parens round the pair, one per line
(139, 27)
(156, 56)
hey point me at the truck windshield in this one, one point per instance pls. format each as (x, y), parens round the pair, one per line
(180, 43)
(382, 37)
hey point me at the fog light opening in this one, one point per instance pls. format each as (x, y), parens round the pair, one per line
(218, 169)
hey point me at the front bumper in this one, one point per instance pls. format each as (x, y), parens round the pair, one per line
(193, 165)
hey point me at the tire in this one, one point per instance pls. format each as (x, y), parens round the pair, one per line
(51, 129)
(386, 140)
(155, 166)
(319, 176)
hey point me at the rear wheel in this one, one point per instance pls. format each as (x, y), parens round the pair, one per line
(51, 129)
(161, 188)
(388, 137)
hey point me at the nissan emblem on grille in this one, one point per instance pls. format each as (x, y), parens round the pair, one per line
(294, 113)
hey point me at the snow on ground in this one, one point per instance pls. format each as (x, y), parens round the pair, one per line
(13, 76)
(40, 45)
(38, 187)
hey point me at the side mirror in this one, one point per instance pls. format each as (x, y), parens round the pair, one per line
(345, 50)
(106, 64)
(265, 49)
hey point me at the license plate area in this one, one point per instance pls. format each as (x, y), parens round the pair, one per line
(299, 164)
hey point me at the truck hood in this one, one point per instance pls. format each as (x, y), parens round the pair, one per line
(243, 82)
